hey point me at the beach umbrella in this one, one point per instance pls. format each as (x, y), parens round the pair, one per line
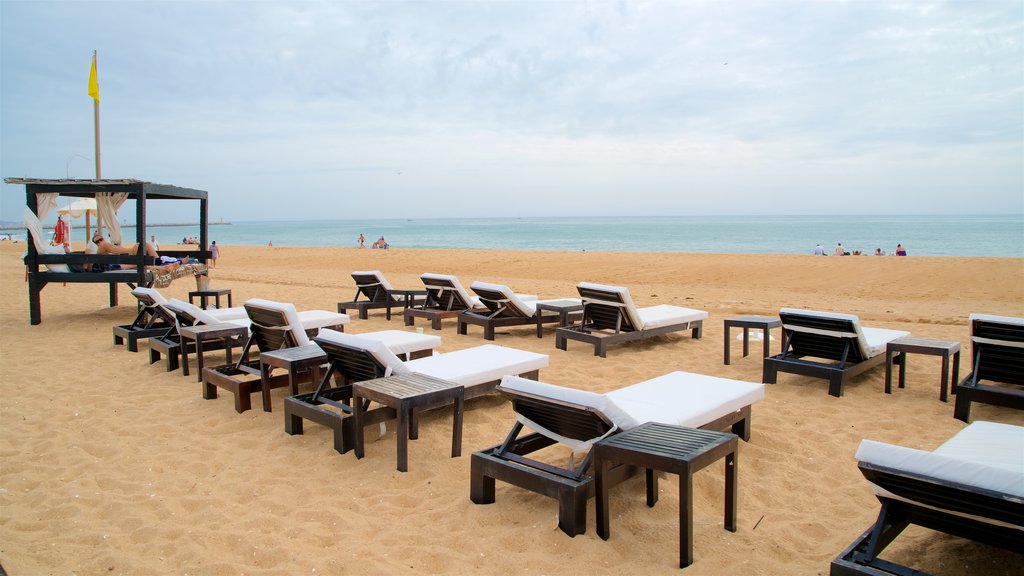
(84, 206)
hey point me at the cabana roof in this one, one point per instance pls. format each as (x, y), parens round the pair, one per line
(87, 188)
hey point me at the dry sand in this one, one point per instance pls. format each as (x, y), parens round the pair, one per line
(111, 465)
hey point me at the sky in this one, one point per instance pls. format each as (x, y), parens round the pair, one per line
(348, 110)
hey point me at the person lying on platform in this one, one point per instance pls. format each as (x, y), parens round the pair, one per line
(105, 247)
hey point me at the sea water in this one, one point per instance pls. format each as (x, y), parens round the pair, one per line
(994, 235)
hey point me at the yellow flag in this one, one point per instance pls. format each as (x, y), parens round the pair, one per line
(94, 86)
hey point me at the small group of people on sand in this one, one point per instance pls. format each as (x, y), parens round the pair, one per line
(379, 243)
(819, 250)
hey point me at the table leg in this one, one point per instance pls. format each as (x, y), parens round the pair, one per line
(956, 372)
(685, 518)
(387, 309)
(265, 370)
(228, 344)
(944, 381)
(540, 325)
(403, 439)
(728, 340)
(357, 415)
(746, 341)
(903, 370)
(731, 472)
(767, 333)
(184, 353)
(888, 371)
(601, 499)
(229, 300)
(651, 477)
(457, 426)
(199, 359)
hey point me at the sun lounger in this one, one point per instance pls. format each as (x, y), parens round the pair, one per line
(610, 317)
(997, 346)
(187, 314)
(972, 487)
(502, 308)
(152, 320)
(446, 298)
(378, 293)
(273, 326)
(354, 359)
(842, 346)
(578, 419)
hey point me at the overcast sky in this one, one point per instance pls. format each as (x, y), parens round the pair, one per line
(296, 110)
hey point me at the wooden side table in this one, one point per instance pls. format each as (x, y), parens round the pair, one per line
(205, 295)
(674, 449)
(223, 334)
(295, 360)
(910, 345)
(564, 308)
(408, 299)
(765, 323)
(406, 394)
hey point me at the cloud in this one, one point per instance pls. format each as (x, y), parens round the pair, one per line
(568, 106)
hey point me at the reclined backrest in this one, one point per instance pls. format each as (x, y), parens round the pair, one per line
(446, 292)
(372, 285)
(148, 296)
(609, 307)
(359, 358)
(827, 335)
(502, 301)
(271, 328)
(576, 418)
(189, 314)
(266, 315)
(979, 471)
(998, 343)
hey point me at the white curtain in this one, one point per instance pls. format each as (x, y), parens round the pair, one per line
(107, 204)
(46, 202)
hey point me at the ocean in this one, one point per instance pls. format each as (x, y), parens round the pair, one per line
(995, 235)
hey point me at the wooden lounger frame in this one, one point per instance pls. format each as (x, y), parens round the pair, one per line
(843, 350)
(442, 301)
(331, 407)
(509, 463)
(152, 321)
(498, 314)
(936, 504)
(138, 191)
(169, 343)
(268, 331)
(605, 322)
(377, 297)
(997, 355)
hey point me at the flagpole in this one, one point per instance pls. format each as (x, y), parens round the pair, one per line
(96, 122)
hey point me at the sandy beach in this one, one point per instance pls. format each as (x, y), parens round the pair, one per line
(110, 465)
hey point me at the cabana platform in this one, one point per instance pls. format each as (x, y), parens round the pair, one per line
(36, 190)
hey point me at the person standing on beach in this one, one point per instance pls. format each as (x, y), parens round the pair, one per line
(819, 250)
(214, 254)
(362, 240)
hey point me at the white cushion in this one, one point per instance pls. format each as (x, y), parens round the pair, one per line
(401, 342)
(668, 315)
(385, 357)
(316, 319)
(598, 402)
(524, 308)
(291, 316)
(479, 365)
(998, 319)
(59, 251)
(447, 280)
(153, 293)
(875, 339)
(988, 457)
(377, 273)
(201, 316)
(684, 399)
(225, 314)
(618, 294)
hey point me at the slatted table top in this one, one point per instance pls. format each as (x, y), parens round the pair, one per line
(404, 386)
(666, 441)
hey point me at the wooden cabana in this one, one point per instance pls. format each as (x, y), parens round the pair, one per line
(136, 190)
